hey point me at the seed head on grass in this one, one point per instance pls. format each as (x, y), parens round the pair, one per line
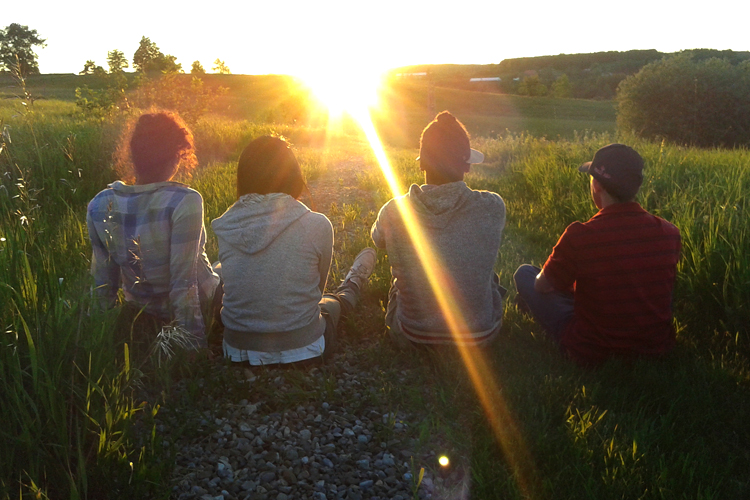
(172, 337)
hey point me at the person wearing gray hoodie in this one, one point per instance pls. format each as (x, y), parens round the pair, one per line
(275, 255)
(442, 240)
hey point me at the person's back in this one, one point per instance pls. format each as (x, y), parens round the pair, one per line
(459, 232)
(275, 256)
(277, 253)
(625, 261)
(149, 237)
(606, 288)
(462, 229)
(123, 217)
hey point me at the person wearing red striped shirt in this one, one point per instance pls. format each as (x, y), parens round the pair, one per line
(606, 289)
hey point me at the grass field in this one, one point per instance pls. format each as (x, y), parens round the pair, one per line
(670, 429)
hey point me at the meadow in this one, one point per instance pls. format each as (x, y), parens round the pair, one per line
(72, 402)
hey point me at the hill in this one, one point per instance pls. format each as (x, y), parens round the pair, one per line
(591, 76)
(404, 110)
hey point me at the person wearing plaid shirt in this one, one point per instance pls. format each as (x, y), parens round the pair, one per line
(149, 238)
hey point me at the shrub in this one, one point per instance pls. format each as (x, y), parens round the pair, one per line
(703, 103)
(182, 93)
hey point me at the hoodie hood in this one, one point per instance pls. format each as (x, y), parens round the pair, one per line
(436, 206)
(255, 221)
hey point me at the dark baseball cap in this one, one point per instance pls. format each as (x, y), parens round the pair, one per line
(617, 167)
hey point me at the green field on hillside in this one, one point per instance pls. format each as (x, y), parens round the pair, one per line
(404, 111)
(75, 423)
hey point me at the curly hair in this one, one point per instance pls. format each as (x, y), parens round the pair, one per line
(268, 165)
(444, 144)
(152, 143)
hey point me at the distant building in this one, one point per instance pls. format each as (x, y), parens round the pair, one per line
(487, 79)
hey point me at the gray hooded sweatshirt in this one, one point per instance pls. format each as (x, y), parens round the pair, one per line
(462, 228)
(275, 256)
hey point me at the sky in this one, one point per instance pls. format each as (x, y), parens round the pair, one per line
(302, 37)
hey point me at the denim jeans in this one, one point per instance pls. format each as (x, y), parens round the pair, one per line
(551, 310)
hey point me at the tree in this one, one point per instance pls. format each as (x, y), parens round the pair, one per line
(532, 86)
(116, 61)
(220, 67)
(16, 47)
(688, 101)
(169, 64)
(197, 69)
(91, 68)
(147, 57)
(561, 87)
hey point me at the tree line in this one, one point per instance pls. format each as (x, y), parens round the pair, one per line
(159, 81)
(699, 97)
(148, 58)
(17, 43)
(584, 76)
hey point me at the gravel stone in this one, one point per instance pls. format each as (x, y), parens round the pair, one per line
(337, 449)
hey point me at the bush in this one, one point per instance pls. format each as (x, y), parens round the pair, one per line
(184, 94)
(680, 99)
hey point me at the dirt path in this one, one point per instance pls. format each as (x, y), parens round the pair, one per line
(338, 194)
(340, 185)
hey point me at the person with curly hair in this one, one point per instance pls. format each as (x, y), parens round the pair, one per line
(148, 237)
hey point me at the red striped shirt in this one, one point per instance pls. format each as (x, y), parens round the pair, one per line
(621, 265)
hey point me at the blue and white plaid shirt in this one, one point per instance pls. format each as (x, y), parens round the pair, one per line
(151, 240)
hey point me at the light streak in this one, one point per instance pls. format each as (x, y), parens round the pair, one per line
(483, 378)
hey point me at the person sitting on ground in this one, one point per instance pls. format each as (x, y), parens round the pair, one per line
(461, 228)
(606, 289)
(275, 254)
(149, 237)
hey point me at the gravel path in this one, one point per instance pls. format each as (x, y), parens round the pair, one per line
(324, 448)
(325, 432)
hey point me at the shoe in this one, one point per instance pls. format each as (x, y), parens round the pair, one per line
(362, 268)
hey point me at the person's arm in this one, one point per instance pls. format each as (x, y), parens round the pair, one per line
(542, 284)
(187, 227)
(326, 253)
(104, 269)
(560, 271)
(377, 232)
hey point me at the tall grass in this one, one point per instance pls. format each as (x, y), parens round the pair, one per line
(703, 192)
(68, 391)
(670, 429)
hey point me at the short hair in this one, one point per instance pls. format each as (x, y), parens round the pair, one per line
(153, 142)
(445, 145)
(268, 165)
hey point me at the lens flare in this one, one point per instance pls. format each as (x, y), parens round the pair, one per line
(482, 376)
(343, 91)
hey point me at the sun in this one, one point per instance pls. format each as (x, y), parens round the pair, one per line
(345, 91)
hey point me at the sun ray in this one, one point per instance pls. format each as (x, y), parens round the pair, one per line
(482, 376)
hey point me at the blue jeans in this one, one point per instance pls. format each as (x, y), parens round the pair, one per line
(551, 310)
